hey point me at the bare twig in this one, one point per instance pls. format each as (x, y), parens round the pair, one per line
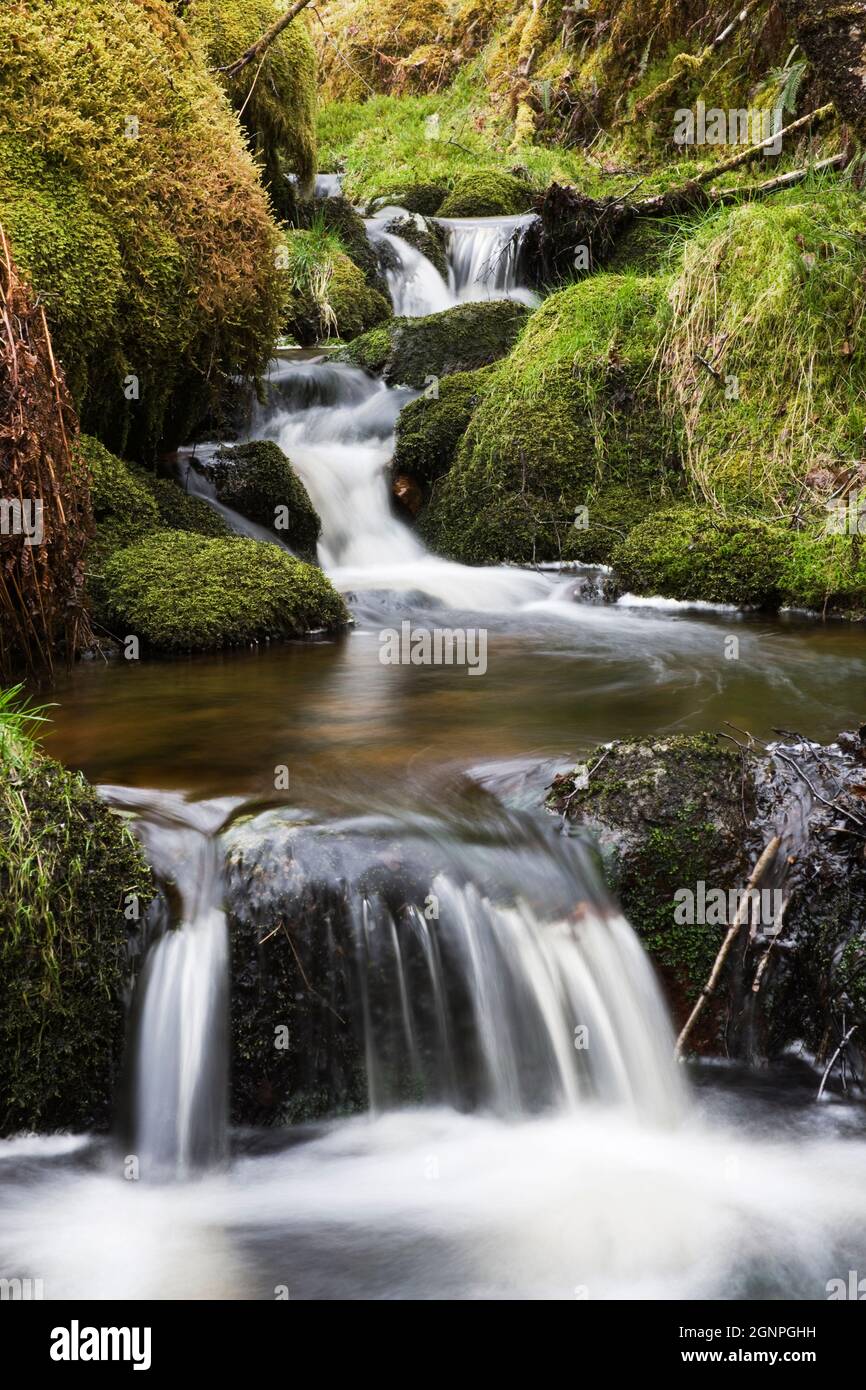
(843, 1044)
(231, 70)
(709, 988)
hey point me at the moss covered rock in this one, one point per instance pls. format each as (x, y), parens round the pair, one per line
(276, 99)
(409, 352)
(681, 823)
(487, 193)
(338, 216)
(425, 198)
(180, 593)
(666, 814)
(73, 888)
(136, 211)
(129, 502)
(258, 480)
(771, 295)
(425, 236)
(692, 553)
(571, 412)
(430, 428)
(326, 293)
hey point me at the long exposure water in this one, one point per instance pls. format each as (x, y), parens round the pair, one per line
(546, 1174)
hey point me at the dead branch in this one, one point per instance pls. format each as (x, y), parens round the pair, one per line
(709, 988)
(829, 1067)
(231, 70)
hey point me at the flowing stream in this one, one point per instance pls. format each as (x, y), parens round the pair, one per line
(527, 1132)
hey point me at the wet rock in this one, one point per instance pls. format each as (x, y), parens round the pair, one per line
(670, 815)
(415, 351)
(407, 494)
(425, 236)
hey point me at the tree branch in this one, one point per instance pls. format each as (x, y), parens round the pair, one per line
(231, 70)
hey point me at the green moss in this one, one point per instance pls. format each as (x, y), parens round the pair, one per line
(827, 574)
(124, 507)
(258, 481)
(668, 814)
(425, 198)
(277, 98)
(771, 296)
(180, 512)
(356, 306)
(69, 874)
(129, 503)
(409, 352)
(179, 592)
(327, 294)
(691, 553)
(338, 216)
(487, 193)
(430, 428)
(572, 411)
(133, 207)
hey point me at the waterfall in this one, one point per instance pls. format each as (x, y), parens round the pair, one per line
(414, 283)
(484, 258)
(180, 1050)
(483, 262)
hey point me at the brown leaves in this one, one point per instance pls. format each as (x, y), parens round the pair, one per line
(45, 517)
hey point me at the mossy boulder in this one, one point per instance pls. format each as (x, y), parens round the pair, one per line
(826, 574)
(425, 236)
(487, 193)
(326, 293)
(258, 480)
(666, 814)
(572, 413)
(136, 211)
(74, 888)
(338, 216)
(430, 428)
(410, 352)
(692, 553)
(681, 822)
(129, 502)
(276, 99)
(180, 593)
(425, 198)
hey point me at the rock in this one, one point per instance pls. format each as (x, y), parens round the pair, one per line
(570, 420)
(430, 428)
(487, 193)
(71, 877)
(670, 815)
(426, 198)
(411, 352)
(407, 493)
(257, 480)
(425, 236)
(178, 592)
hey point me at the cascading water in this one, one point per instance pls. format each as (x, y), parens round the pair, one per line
(180, 1053)
(484, 258)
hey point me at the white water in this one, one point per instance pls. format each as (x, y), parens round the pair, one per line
(484, 258)
(483, 263)
(180, 1057)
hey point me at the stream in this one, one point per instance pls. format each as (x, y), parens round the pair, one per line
(520, 1165)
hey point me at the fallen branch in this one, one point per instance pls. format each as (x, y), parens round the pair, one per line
(843, 1044)
(709, 988)
(231, 70)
